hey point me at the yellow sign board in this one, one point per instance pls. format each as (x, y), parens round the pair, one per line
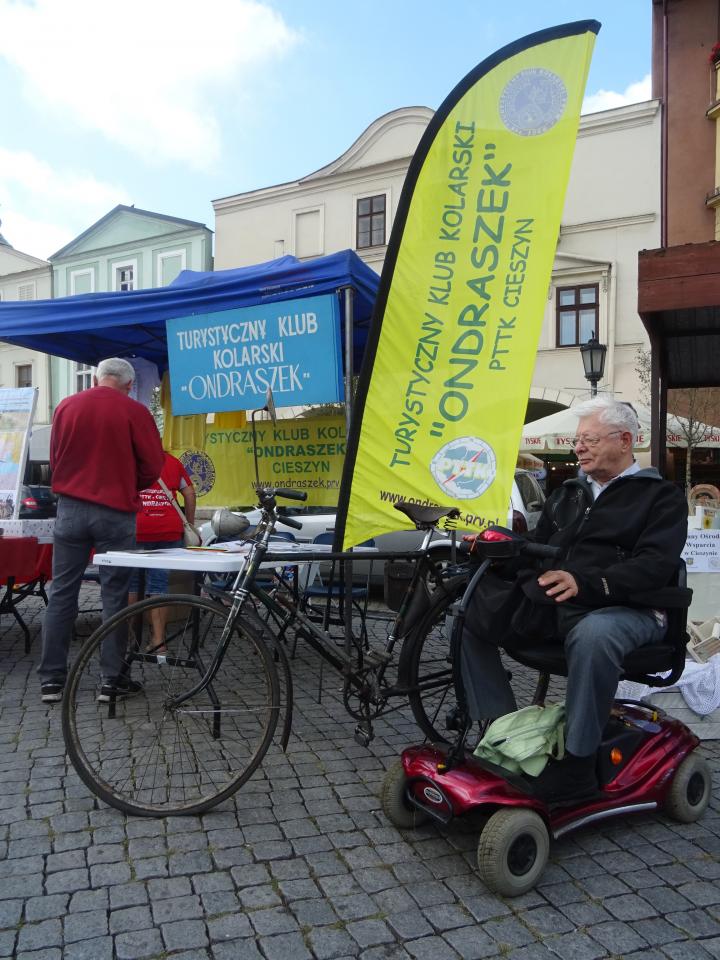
(300, 454)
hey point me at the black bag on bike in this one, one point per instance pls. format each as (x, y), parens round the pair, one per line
(491, 607)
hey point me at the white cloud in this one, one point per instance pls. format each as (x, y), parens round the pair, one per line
(144, 73)
(37, 198)
(607, 99)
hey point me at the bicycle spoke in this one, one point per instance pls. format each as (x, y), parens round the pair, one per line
(145, 753)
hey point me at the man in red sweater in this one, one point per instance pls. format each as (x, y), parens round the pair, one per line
(104, 449)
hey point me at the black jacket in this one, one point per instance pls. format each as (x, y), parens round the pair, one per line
(624, 547)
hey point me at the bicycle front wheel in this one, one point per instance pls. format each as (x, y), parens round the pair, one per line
(425, 664)
(140, 750)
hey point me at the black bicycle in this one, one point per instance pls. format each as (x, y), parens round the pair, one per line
(196, 721)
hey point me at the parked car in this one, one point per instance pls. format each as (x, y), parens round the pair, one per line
(37, 502)
(526, 503)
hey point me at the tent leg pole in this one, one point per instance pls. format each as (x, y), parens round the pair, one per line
(348, 358)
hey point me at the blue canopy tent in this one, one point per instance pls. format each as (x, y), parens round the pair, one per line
(92, 326)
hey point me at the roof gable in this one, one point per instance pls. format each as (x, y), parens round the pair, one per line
(125, 225)
(13, 261)
(394, 136)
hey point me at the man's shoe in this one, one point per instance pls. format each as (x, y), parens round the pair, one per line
(51, 691)
(118, 690)
(566, 781)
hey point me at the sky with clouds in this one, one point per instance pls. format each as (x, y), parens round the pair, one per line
(169, 104)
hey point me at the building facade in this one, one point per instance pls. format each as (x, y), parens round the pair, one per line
(23, 277)
(679, 280)
(127, 249)
(611, 212)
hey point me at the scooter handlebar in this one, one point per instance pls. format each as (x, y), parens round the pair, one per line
(542, 551)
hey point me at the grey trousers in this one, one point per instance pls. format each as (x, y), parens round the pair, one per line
(81, 527)
(594, 649)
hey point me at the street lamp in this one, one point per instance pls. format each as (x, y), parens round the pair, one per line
(593, 358)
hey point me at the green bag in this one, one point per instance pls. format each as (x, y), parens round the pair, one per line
(524, 741)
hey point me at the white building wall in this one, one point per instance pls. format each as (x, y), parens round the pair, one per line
(611, 212)
(26, 277)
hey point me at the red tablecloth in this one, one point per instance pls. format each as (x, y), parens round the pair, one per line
(24, 559)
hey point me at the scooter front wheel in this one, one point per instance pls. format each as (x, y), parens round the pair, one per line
(395, 806)
(512, 851)
(690, 790)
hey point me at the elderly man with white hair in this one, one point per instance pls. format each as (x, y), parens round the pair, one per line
(621, 530)
(104, 449)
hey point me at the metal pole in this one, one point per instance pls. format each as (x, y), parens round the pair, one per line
(255, 456)
(348, 571)
(349, 307)
(593, 388)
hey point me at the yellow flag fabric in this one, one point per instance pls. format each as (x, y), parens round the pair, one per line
(449, 362)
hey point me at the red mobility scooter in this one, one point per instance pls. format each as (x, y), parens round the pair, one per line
(646, 760)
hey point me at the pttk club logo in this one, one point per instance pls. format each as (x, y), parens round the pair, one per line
(201, 469)
(464, 468)
(533, 101)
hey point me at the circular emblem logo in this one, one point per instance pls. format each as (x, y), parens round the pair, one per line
(201, 469)
(533, 101)
(433, 795)
(464, 468)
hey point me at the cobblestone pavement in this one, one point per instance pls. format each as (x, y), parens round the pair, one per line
(301, 863)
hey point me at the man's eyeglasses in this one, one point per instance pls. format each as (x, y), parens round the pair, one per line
(588, 441)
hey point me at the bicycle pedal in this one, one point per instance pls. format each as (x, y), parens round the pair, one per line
(374, 658)
(454, 719)
(364, 734)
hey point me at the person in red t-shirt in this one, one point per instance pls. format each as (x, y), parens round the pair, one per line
(159, 526)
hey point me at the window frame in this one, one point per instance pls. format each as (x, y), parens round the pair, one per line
(85, 271)
(30, 285)
(119, 265)
(368, 216)
(576, 308)
(18, 368)
(84, 371)
(163, 255)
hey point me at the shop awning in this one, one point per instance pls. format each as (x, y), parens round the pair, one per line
(554, 434)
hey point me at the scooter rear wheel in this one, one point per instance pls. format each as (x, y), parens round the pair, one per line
(395, 806)
(690, 790)
(512, 851)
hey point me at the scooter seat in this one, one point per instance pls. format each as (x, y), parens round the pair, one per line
(550, 658)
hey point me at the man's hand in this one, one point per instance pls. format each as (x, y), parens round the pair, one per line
(560, 585)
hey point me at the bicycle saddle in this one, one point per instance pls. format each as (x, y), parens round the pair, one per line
(426, 517)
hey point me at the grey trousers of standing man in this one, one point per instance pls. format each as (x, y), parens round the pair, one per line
(594, 649)
(80, 528)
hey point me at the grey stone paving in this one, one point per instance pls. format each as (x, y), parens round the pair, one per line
(301, 863)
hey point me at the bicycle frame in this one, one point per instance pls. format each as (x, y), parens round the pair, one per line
(353, 668)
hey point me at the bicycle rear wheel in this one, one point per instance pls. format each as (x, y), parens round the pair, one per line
(147, 755)
(425, 664)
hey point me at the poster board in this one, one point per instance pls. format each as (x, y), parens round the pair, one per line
(17, 408)
(702, 551)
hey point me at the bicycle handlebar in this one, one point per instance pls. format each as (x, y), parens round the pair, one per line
(290, 495)
(291, 522)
